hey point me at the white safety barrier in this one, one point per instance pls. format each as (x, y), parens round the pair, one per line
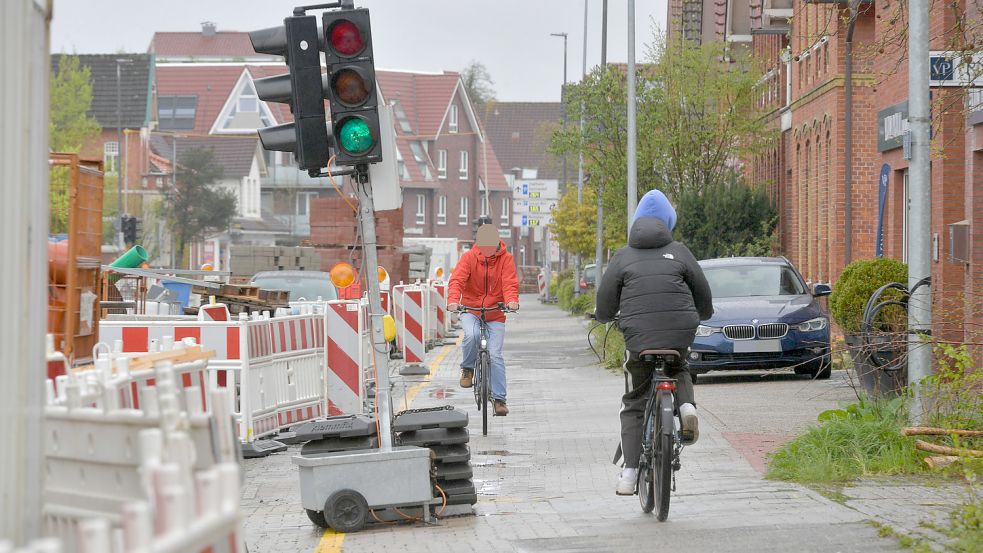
(347, 354)
(271, 370)
(162, 477)
(410, 304)
(438, 311)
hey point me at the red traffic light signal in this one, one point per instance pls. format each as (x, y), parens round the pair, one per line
(346, 38)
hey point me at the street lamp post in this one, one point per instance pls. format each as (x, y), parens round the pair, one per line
(546, 248)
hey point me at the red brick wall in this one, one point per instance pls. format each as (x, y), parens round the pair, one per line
(334, 231)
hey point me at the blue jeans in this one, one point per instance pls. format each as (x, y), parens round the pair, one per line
(496, 339)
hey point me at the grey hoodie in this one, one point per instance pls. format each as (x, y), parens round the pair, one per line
(659, 288)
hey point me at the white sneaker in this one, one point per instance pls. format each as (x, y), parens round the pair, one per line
(627, 481)
(690, 423)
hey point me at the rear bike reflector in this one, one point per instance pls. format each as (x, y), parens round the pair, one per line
(671, 386)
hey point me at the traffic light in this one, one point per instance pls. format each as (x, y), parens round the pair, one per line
(130, 229)
(351, 89)
(307, 137)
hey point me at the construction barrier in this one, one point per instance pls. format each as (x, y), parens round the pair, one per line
(541, 280)
(410, 304)
(440, 321)
(271, 370)
(151, 473)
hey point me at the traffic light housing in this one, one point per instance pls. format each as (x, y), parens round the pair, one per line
(130, 230)
(307, 137)
(351, 86)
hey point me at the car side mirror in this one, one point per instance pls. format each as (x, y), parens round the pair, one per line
(820, 290)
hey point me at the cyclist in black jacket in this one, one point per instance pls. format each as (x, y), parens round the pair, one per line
(662, 295)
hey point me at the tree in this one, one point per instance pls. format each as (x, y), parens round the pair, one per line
(573, 221)
(695, 115)
(479, 84)
(69, 128)
(729, 220)
(193, 207)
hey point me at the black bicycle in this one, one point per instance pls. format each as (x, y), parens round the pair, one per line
(661, 435)
(661, 439)
(482, 368)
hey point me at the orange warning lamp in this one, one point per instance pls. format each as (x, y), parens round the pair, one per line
(439, 273)
(383, 274)
(207, 267)
(342, 275)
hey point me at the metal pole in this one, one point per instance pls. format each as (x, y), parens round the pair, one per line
(546, 231)
(366, 220)
(919, 202)
(632, 169)
(174, 185)
(119, 149)
(580, 157)
(848, 135)
(599, 240)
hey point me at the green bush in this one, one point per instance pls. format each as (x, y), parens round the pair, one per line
(583, 303)
(862, 439)
(564, 292)
(609, 344)
(857, 283)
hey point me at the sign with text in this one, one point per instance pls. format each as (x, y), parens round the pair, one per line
(536, 189)
(956, 69)
(533, 206)
(892, 122)
(529, 220)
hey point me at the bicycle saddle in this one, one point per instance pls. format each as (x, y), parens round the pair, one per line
(658, 352)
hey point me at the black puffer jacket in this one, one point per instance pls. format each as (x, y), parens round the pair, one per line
(659, 288)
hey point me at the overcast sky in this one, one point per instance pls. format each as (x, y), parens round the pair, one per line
(511, 37)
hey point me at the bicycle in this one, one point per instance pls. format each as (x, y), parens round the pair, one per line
(661, 433)
(482, 367)
(661, 439)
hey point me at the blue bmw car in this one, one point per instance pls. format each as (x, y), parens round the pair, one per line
(765, 317)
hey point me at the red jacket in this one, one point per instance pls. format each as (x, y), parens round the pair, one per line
(484, 281)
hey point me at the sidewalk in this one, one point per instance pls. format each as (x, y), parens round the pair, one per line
(546, 483)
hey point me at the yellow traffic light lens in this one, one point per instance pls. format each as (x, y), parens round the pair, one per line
(355, 136)
(350, 87)
(342, 275)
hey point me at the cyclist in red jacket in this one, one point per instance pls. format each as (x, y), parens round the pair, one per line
(484, 277)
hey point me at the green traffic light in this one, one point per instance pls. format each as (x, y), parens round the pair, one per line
(355, 136)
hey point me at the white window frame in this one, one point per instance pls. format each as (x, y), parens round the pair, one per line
(110, 157)
(304, 197)
(462, 217)
(462, 169)
(452, 119)
(442, 210)
(421, 209)
(484, 206)
(441, 164)
(505, 212)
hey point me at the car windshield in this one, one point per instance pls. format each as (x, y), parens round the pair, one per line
(753, 280)
(307, 287)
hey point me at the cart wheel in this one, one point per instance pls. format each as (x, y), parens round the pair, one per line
(345, 511)
(317, 517)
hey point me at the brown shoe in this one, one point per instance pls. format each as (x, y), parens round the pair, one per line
(500, 408)
(467, 378)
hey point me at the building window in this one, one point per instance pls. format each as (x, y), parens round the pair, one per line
(452, 119)
(421, 209)
(304, 203)
(442, 210)
(484, 205)
(176, 112)
(462, 171)
(505, 212)
(421, 159)
(462, 219)
(110, 157)
(442, 164)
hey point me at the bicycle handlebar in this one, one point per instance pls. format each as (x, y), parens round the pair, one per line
(500, 307)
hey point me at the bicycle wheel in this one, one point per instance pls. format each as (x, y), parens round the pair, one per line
(476, 383)
(483, 360)
(662, 468)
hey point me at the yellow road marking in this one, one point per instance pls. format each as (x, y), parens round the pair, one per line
(330, 542)
(434, 366)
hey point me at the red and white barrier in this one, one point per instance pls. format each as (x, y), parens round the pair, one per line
(541, 280)
(410, 303)
(440, 321)
(346, 331)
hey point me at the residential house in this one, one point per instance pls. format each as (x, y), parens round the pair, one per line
(122, 86)
(448, 168)
(520, 133)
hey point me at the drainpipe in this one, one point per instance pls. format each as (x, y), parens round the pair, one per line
(848, 133)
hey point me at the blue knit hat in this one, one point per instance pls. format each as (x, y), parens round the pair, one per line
(655, 204)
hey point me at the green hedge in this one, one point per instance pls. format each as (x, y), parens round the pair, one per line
(858, 281)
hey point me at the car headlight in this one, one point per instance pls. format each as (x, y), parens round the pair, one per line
(703, 331)
(812, 325)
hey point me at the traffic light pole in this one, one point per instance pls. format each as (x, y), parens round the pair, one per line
(366, 221)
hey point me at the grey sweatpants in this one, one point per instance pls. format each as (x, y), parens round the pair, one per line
(633, 402)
